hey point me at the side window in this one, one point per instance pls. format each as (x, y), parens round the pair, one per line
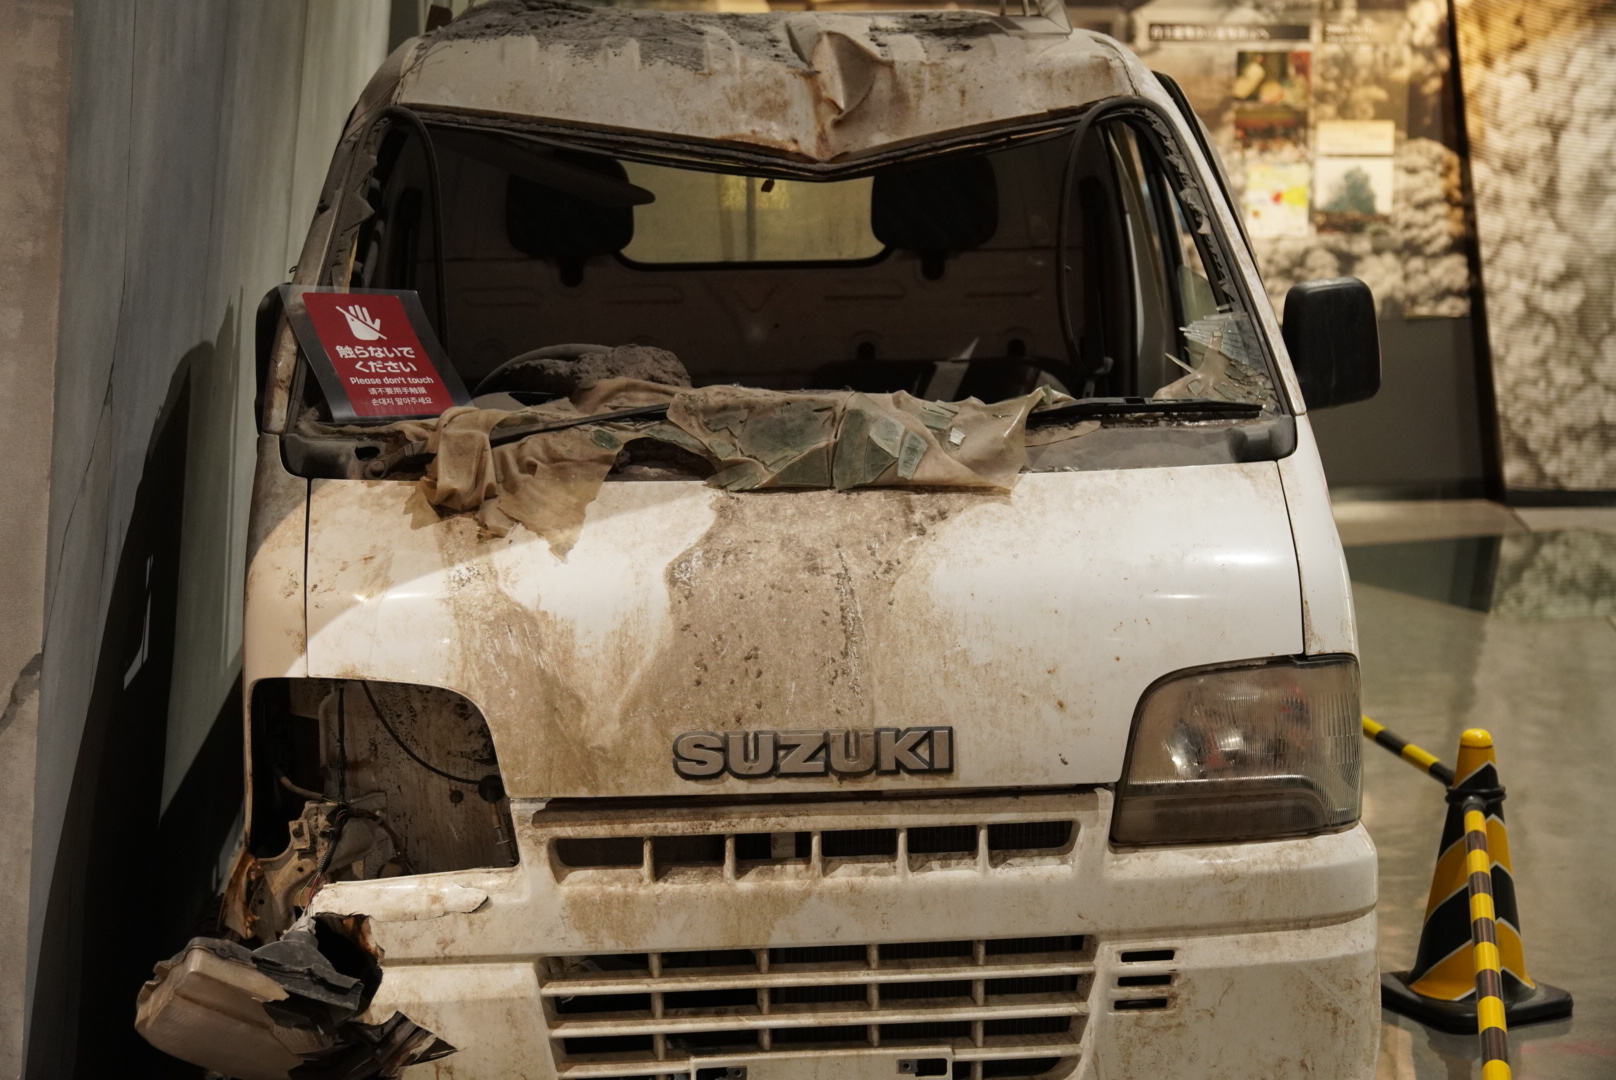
(1157, 316)
(1193, 290)
(1195, 340)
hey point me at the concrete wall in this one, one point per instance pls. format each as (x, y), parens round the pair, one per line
(35, 39)
(196, 135)
(1423, 434)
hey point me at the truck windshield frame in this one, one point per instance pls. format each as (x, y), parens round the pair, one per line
(1152, 178)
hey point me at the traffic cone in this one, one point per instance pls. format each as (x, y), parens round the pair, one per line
(1440, 990)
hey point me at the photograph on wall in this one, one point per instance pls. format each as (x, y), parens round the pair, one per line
(1276, 198)
(1272, 91)
(1362, 21)
(1352, 193)
(1355, 138)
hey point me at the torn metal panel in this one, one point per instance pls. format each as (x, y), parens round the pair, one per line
(1329, 622)
(211, 996)
(329, 840)
(280, 1012)
(813, 85)
(386, 814)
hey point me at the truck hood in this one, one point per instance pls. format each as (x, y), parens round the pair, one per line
(1000, 640)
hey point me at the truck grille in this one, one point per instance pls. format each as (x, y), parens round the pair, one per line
(1007, 1007)
(817, 852)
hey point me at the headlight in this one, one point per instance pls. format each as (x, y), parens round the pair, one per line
(1243, 753)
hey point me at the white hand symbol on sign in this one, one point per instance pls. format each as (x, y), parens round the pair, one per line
(363, 325)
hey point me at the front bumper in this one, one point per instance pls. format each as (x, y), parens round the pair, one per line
(856, 949)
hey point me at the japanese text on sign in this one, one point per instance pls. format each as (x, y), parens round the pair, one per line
(374, 356)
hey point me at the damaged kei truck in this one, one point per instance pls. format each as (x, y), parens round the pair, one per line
(789, 547)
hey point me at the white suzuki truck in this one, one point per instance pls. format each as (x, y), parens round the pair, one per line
(820, 572)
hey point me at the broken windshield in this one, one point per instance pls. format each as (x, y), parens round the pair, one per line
(1020, 273)
(937, 278)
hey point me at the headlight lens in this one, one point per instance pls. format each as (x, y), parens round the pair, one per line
(1243, 753)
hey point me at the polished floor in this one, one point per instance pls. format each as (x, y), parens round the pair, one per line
(1473, 615)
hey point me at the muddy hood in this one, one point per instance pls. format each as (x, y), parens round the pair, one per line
(968, 640)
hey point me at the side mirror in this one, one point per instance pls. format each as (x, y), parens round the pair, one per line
(1331, 334)
(265, 323)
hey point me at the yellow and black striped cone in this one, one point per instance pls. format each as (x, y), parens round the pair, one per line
(1440, 990)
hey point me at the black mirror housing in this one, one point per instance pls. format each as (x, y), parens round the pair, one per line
(265, 323)
(1333, 340)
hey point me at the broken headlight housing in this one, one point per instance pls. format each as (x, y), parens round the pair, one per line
(1250, 752)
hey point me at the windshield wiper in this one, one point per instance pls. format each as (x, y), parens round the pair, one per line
(1178, 408)
(500, 436)
(1087, 409)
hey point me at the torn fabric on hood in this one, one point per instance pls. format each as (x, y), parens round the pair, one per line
(485, 461)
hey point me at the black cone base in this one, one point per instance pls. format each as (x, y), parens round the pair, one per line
(1459, 1017)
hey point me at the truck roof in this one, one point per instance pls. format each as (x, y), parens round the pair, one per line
(816, 87)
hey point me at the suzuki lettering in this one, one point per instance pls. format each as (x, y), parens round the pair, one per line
(751, 755)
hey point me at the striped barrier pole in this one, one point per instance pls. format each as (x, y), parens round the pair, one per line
(1423, 760)
(1490, 1023)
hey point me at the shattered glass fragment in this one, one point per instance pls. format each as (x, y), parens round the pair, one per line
(782, 438)
(545, 479)
(1203, 332)
(887, 433)
(811, 470)
(1224, 371)
(669, 433)
(859, 459)
(742, 477)
(726, 421)
(910, 452)
(937, 415)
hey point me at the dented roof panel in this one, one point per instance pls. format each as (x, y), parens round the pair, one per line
(812, 85)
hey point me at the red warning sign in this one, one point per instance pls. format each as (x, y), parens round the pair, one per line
(369, 354)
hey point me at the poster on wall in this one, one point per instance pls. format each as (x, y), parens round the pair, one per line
(1329, 87)
(1352, 193)
(1271, 94)
(1276, 198)
(1356, 138)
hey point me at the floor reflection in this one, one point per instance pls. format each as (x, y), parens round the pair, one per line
(1517, 634)
(1563, 574)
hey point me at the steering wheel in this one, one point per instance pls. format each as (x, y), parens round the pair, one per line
(523, 371)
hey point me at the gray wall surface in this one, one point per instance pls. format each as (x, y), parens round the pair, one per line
(1422, 435)
(35, 39)
(196, 135)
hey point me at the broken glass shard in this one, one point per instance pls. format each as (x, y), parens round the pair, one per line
(909, 454)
